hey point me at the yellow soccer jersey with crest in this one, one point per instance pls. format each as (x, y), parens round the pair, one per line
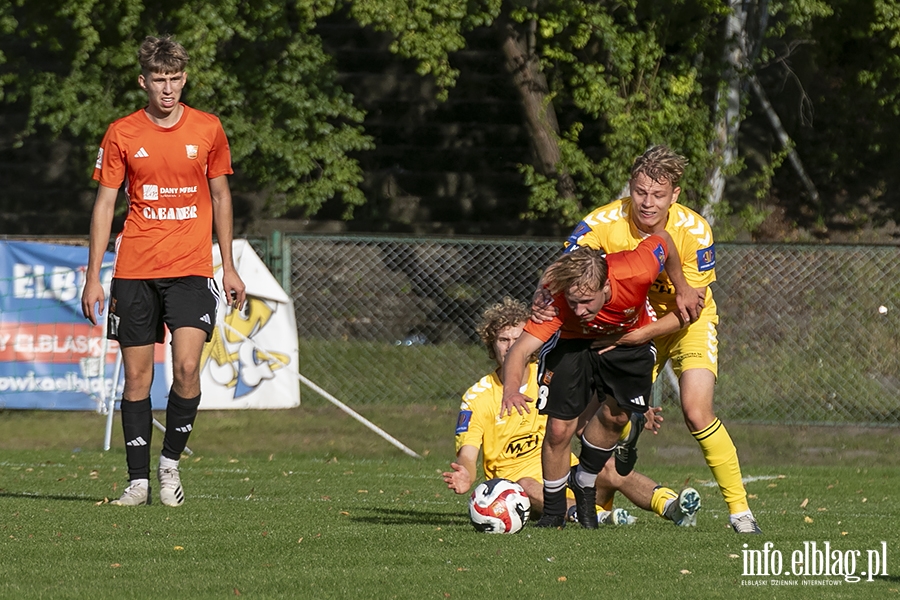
(511, 446)
(610, 227)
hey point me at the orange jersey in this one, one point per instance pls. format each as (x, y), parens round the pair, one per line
(168, 230)
(631, 274)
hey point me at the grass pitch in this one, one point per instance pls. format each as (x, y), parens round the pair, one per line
(308, 504)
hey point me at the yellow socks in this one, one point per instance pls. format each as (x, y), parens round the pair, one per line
(722, 458)
(660, 496)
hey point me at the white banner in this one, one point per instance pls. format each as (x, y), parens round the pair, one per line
(252, 360)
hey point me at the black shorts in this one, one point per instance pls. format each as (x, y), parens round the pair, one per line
(138, 308)
(569, 372)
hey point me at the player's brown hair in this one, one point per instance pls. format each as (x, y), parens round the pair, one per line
(507, 313)
(661, 164)
(584, 268)
(162, 55)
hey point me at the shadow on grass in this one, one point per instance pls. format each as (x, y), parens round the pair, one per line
(391, 516)
(37, 496)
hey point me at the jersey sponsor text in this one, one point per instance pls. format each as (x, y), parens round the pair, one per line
(180, 213)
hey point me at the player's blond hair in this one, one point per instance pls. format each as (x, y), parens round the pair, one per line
(583, 268)
(162, 55)
(661, 164)
(507, 313)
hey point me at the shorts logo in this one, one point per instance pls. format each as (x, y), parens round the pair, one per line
(151, 192)
(462, 421)
(639, 401)
(706, 259)
(191, 150)
(113, 324)
(543, 395)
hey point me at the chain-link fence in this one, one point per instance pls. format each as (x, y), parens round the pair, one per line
(803, 337)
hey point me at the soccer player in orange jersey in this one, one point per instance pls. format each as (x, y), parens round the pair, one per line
(595, 295)
(174, 161)
(511, 445)
(693, 351)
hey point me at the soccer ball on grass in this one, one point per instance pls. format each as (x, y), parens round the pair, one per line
(499, 506)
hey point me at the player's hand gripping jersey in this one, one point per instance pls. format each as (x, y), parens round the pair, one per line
(168, 230)
(631, 275)
(611, 228)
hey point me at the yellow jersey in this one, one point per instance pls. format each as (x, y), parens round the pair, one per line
(511, 445)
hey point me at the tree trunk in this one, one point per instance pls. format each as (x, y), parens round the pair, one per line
(540, 117)
(728, 106)
(784, 138)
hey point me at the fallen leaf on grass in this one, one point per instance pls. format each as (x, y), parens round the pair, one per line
(179, 548)
(684, 572)
(804, 503)
(562, 578)
(733, 556)
(807, 519)
(115, 565)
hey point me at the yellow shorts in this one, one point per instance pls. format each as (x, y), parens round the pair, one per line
(695, 347)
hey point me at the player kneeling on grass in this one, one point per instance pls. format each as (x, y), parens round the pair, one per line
(512, 446)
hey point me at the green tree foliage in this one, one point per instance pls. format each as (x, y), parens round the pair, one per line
(836, 69)
(615, 77)
(72, 64)
(621, 75)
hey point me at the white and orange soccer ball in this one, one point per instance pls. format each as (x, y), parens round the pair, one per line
(499, 506)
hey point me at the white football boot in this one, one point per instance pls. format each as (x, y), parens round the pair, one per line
(136, 494)
(170, 491)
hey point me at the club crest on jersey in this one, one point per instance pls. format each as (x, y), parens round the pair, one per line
(706, 258)
(580, 229)
(660, 256)
(192, 150)
(462, 421)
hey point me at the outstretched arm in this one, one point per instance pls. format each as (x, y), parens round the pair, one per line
(462, 476)
(688, 299)
(515, 367)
